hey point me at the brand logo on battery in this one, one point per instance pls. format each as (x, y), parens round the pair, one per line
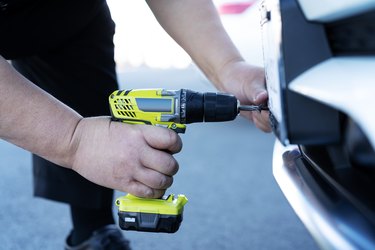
(129, 219)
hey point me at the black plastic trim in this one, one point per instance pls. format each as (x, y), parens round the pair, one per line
(149, 222)
(344, 210)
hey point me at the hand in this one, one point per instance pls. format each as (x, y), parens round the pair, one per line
(132, 158)
(247, 83)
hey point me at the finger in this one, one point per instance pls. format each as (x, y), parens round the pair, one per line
(153, 179)
(141, 190)
(261, 121)
(256, 89)
(162, 138)
(263, 127)
(248, 115)
(159, 161)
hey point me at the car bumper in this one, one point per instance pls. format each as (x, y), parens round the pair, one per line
(330, 217)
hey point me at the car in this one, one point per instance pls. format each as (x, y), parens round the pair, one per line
(319, 60)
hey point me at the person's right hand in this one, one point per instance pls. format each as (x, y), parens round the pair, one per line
(136, 159)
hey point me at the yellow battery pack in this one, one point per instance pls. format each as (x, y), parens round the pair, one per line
(151, 215)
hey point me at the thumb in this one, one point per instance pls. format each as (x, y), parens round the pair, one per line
(254, 87)
(260, 96)
(162, 138)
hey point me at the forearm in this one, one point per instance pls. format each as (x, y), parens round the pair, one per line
(196, 26)
(33, 119)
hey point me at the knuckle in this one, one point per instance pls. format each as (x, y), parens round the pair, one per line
(172, 166)
(146, 192)
(159, 193)
(170, 181)
(173, 137)
(166, 182)
(140, 190)
(176, 168)
(175, 140)
(162, 181)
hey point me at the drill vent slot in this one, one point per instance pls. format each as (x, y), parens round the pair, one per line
(127, 113)
(125, 107)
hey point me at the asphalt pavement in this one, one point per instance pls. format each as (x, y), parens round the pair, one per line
(225, 171)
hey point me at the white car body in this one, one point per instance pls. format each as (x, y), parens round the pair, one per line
(319, 61)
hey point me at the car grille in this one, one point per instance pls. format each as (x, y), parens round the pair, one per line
(353, 36)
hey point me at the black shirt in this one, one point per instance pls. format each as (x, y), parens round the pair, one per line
(29, 27)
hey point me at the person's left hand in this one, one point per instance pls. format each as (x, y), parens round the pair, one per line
(247, 83)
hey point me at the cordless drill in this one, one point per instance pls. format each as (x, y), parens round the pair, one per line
(171, 109)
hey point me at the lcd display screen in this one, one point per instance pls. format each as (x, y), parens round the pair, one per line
(154, 104)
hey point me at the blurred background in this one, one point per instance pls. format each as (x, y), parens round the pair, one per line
(225, 168)
(140, 41)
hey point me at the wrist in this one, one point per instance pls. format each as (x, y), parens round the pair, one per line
(224, 73)
(74, 143)
(88, 134)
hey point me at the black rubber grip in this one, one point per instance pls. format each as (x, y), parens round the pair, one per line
(219, 107)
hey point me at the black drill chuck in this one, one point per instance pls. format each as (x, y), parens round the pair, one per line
(207, 107)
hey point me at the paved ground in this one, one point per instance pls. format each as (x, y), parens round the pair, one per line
(225, 170)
